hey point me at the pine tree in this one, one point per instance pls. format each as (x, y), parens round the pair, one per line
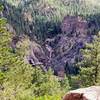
(2, 23)
(90, 65)
(15, 75)
(18, 80)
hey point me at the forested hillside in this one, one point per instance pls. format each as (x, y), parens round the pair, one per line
(43, 17)
(48, 47)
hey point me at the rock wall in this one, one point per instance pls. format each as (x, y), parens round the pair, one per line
(63, 51)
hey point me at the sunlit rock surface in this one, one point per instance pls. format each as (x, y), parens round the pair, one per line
(90, 93)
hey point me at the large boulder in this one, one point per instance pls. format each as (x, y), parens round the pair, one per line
(90, 93)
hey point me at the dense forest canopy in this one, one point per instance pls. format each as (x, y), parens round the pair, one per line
(42, 18)
(48, 47)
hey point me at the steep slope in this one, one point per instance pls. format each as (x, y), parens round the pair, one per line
(58, 38)
(42, 18)
(63, 51)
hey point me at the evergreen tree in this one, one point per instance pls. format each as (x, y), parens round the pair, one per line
(18, 80)
(2, 23)
(90, 65)
(45, 83)
(15, 75)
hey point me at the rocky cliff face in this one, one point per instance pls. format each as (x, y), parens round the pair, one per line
(63, 51)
